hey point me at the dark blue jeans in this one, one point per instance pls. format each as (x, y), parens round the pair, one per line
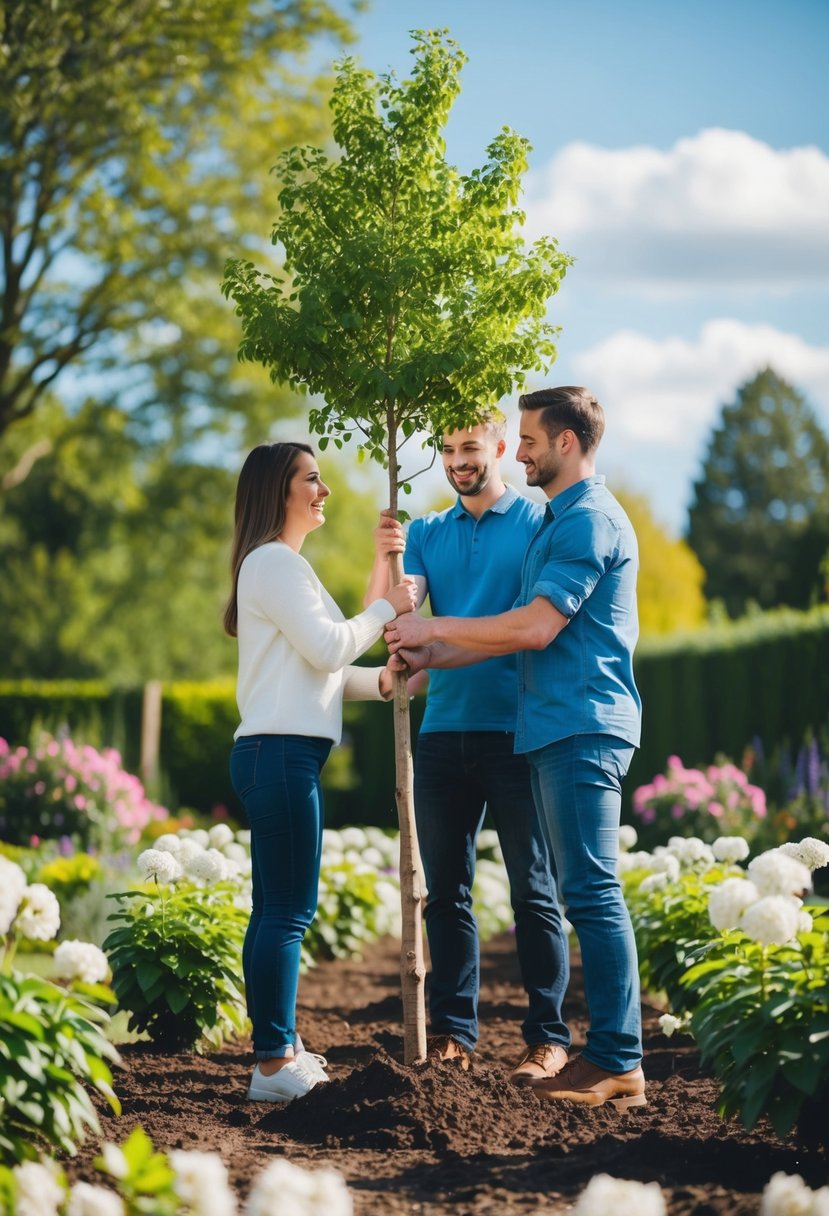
(577, 785)
(458, 776)
(277, 778)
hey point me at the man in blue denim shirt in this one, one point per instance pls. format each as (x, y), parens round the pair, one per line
(467, 560)
(574, 626)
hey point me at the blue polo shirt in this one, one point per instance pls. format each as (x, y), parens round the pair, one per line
(584, 560)
(473, 568)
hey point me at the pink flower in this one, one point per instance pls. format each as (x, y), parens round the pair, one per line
(716, 809)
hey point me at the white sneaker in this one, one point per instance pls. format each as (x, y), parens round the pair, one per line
(314, 1063)
(289, 1082)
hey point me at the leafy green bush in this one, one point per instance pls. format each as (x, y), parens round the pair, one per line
(52, 1046)
(176, 963)
(761, 1019)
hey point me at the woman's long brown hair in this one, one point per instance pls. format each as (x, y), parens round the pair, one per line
(261, 494)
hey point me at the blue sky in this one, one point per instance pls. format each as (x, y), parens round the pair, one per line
(681, 154)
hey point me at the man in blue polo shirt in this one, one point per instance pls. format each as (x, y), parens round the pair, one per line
(574, 627)
(467, 559)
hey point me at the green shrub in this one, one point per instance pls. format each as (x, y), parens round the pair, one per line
(176, 963)
(52, 1046)
(761, 1020)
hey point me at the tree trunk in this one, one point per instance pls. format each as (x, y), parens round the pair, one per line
(412, 887)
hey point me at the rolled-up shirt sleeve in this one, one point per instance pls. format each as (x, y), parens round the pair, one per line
(290, 598)
(585, 547)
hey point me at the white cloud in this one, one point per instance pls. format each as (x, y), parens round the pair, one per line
(663, 397)
(720, 206)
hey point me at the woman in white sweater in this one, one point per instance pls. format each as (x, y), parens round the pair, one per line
(295, 656)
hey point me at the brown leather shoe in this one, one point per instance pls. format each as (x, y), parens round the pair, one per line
(539, 1061)
(442, 1048)
(581, 1081)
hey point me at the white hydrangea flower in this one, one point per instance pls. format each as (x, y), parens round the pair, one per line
(634, 861)
(805, 924)
(12, 886)
(236, 852)
(198, 836)
(771, 921)
(163, 867)
(86, 1200)
(188, 849)
(38, 916)
(285, 1187)
(353, 838)
(666, 863)
(373, 857)
(775, 873)
(810, 852)
(820, 1202)
(691, 851)
(39, 1192)
(201, 1182)
(220, 835)
(672, 1025)
(730, 849)
(243, 837)
(488, 841)
(628, 837)
(604, 1195)
(208, 866)
(729, 900)
(786, 1195)
(115, 1163)
(169, 843)
(82, 961)
(654, 882)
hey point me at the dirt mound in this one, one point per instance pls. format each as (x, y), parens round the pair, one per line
(434, 1106)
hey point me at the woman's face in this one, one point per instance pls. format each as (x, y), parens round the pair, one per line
(306, 495)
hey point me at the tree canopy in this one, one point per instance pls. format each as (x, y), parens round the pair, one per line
(759, 519)
(409, 299)
(135, 139)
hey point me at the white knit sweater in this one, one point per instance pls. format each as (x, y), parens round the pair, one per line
(296, 647)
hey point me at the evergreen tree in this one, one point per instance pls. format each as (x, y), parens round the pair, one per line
(759, 520)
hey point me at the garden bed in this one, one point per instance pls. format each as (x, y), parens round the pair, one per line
(434, 1140)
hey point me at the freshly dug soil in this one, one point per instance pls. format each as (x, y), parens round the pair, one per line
(434, 1140)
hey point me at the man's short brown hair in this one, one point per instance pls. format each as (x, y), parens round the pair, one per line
(568, 408)
(491, 419)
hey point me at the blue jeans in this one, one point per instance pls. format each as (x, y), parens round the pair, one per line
(577, 786)
(458, 775)
(277, 778)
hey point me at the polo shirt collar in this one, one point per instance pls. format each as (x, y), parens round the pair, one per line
(567, 497)
(498, 508)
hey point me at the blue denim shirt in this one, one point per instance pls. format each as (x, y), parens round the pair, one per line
(583, 559)
(473, 568)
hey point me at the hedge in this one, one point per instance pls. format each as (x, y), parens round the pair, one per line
(704, 693)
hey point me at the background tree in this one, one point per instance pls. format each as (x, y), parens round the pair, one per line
(409, 302)
(123, 177)
(669, 588)
(759, 519)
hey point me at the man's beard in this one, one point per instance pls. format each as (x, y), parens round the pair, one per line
(474, 487)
